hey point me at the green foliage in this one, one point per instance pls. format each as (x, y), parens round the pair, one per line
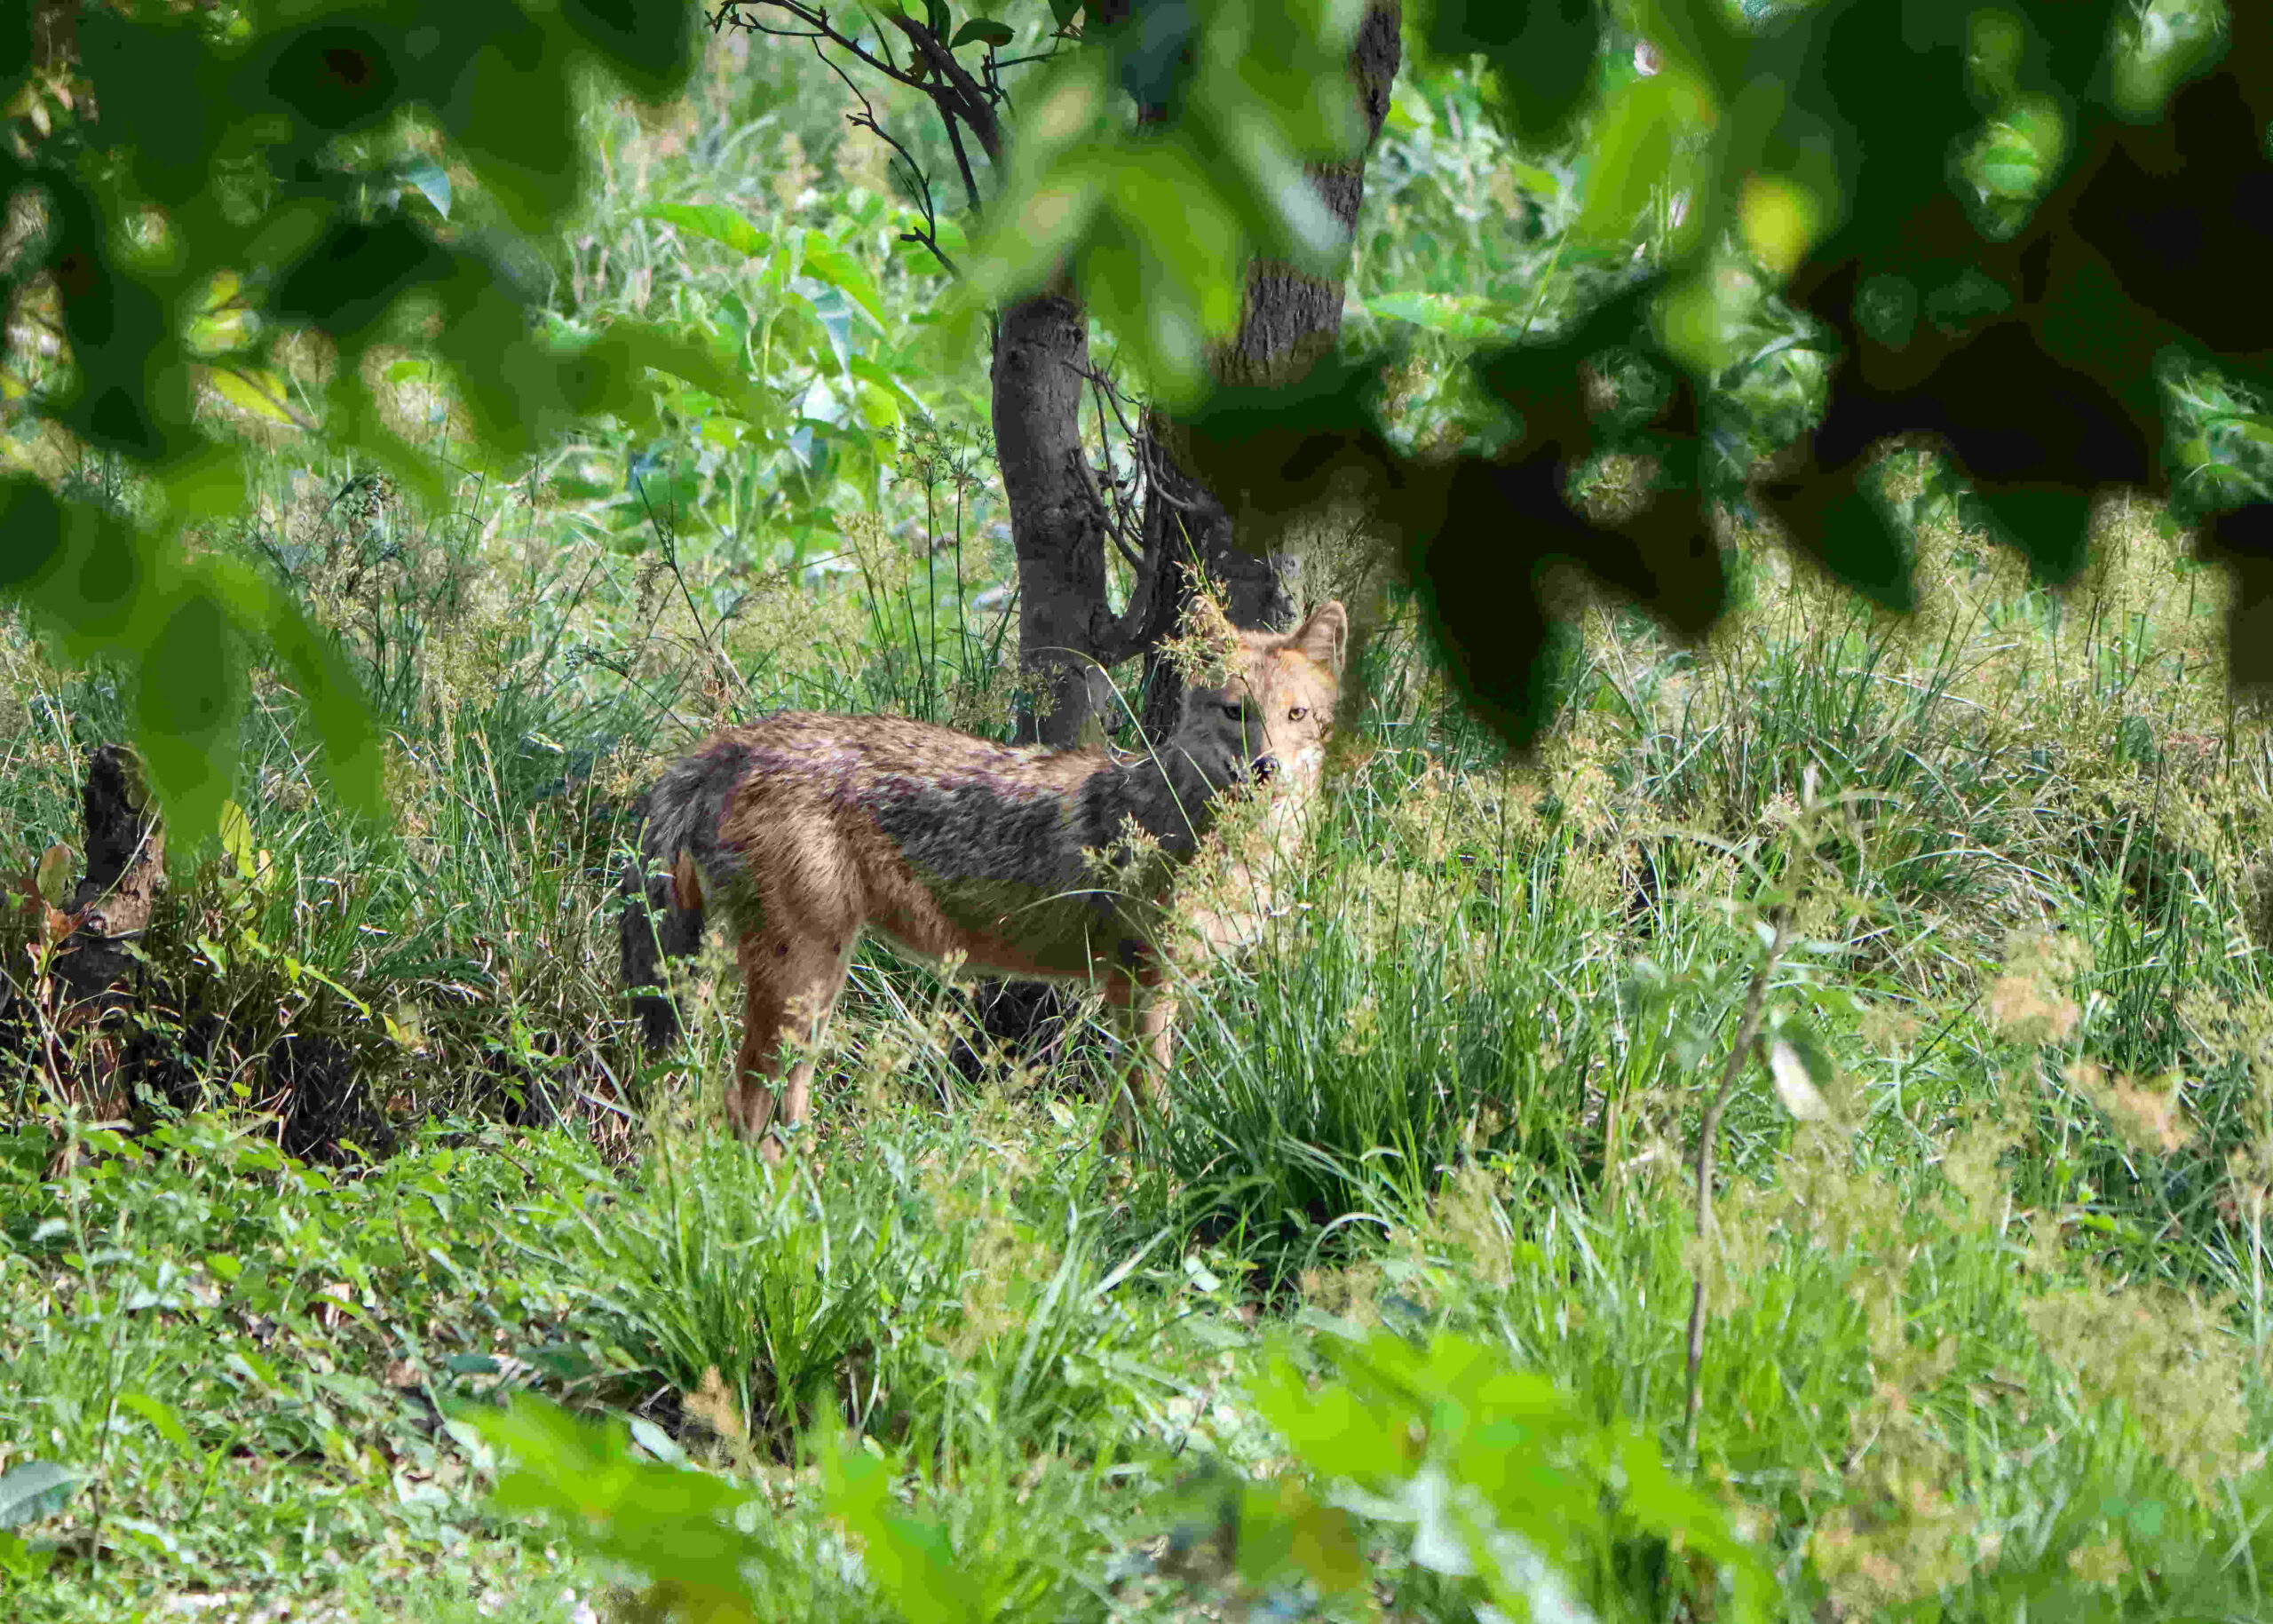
(1490, 1478)
(663, 1520)
(940, 1309)
(31, 1491)
(189, 1314)
(1986, 1328)
(737, 1272)
(1158, 223)
(1787, 189)
(1406, 1272)
(324, 226)
(705, 1547)
(258, 149)
(28, 1493)
(1480, 1474)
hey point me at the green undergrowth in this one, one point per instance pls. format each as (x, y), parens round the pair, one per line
(361, 1267)
(1984, 1288)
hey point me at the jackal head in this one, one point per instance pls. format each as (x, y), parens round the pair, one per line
(1275, 710)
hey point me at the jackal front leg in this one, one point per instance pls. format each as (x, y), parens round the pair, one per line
(1145, 1020)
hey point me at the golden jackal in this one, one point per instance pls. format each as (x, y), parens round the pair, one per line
(805, 829)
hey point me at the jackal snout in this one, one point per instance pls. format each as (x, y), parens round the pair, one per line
(1275, 717)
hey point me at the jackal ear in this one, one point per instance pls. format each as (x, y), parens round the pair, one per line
(1324, 636)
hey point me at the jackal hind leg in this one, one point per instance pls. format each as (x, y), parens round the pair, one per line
(791, 976)
(1143, 1019)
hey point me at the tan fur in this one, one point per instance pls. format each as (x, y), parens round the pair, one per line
(808, 829)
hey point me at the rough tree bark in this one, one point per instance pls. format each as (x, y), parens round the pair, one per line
(126, 871)
(1057, 519)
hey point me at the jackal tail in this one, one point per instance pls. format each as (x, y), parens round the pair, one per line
(663, 912)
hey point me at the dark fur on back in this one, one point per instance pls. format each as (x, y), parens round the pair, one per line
(974, 825)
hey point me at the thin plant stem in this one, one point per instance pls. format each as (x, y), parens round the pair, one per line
(1709, 1133)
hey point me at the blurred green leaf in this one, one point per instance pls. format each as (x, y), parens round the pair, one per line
(1632, 153)
(716, 221)
(269, 97)
(984, 30)
(911, 1561)
(1462, 315)
(673, 1525)
(825, 259)
(163, 1420)
(32, 1490)
(1477, 1463)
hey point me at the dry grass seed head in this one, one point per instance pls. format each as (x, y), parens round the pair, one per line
(2148, 1117)
(2029, 1001)
(1470, 1218)
(2167, 1357)
(1352, 1292)
(1909, 1540)
(1972, 1166)
(1207, 651)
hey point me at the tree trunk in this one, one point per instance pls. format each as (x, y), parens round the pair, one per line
(1057, 522)
(1067, 631)
(1287, 320)
(126, 871)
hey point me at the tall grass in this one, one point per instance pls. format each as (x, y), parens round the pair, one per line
(1987, 1333)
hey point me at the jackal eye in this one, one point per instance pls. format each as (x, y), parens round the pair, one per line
(1236, 713)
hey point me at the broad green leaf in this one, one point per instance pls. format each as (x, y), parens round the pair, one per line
(190, 694)
(1632, 153)
(910, 1560)
(823, 259)
(2011, 176)
(984, 30)
(644, 344)
(516, 130)
(432, 181)
(352, 759)
(163, 1419)
(224, 318)
(261, 391)
(1462, 315)
(656, 1442)
(1781, 220)
(652, 48)
(869, 369)
(33, 1490)
(1336, 1433)
(236, 839)
(671, 1524)
(1531, 178)
(1322, 1540)
(714, 221)
(22, 1560)
(834, 311)
(879, 407)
